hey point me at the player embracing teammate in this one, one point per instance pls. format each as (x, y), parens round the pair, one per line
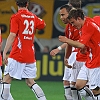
(89, 43)
(78, 64)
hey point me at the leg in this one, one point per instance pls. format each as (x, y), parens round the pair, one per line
(81, 83)
(5, 87)
(96, 92)
(75, 93)
(75, 71)
(36, 89)
(66, 83)
(94, 83)
(84, 90)
(67, 75)
(10, 96)
(68, 94)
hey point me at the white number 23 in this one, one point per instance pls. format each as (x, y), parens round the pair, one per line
(29, 27)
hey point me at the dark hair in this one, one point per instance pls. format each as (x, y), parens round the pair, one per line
(68, 7)
(75, 3)
(75, 13)
(22, 3)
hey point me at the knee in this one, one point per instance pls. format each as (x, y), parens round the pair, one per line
(96, 90)
(29, 82)
(78, 86)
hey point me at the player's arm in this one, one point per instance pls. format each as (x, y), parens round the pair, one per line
(9, 42)
(57, 50)
(40, 23)
(68, 51)
(76, 44)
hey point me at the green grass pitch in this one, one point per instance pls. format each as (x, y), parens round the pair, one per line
(52, 90)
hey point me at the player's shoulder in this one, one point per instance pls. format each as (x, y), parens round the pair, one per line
(19, 14)
(93, 21)
(13, 15)
(32, 14)
(96, 17)
(88, 21)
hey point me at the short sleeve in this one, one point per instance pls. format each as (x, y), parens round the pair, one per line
(40, 24)
(14, 25)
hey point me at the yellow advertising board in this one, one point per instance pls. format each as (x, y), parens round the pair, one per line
(5, 13)
(41, 9)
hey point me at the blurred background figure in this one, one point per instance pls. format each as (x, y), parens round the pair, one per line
(46, 49)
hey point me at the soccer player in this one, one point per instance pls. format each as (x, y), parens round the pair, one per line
(71, 33)
(21, 62)
(89, 42)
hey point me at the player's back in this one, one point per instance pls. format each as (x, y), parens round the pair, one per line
(25, 25)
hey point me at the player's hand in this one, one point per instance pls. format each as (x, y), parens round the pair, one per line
(54, 52)
(69, 66)
(62, 38)
(5, 59)
(66, 63)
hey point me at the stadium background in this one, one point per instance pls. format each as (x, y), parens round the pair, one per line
(49, 68)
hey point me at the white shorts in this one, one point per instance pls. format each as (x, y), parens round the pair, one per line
(19, 70)
(72, 58)
(84, 73)
(92, 75)
(67, 71)
(75, 70)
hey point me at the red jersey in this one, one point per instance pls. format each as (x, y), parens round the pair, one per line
(71, 32)
(91, 38)
(74, 34)
(24, 25)
(97, 19)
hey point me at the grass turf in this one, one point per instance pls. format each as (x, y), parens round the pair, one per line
(52, 90)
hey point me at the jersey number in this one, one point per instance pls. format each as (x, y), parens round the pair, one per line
(29, 27)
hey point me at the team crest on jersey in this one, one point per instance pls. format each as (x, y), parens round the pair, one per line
(37, 9)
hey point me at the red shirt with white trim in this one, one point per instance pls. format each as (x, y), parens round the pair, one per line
(24, 25)
(74, 34)
(71, 32)
(91, 39)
